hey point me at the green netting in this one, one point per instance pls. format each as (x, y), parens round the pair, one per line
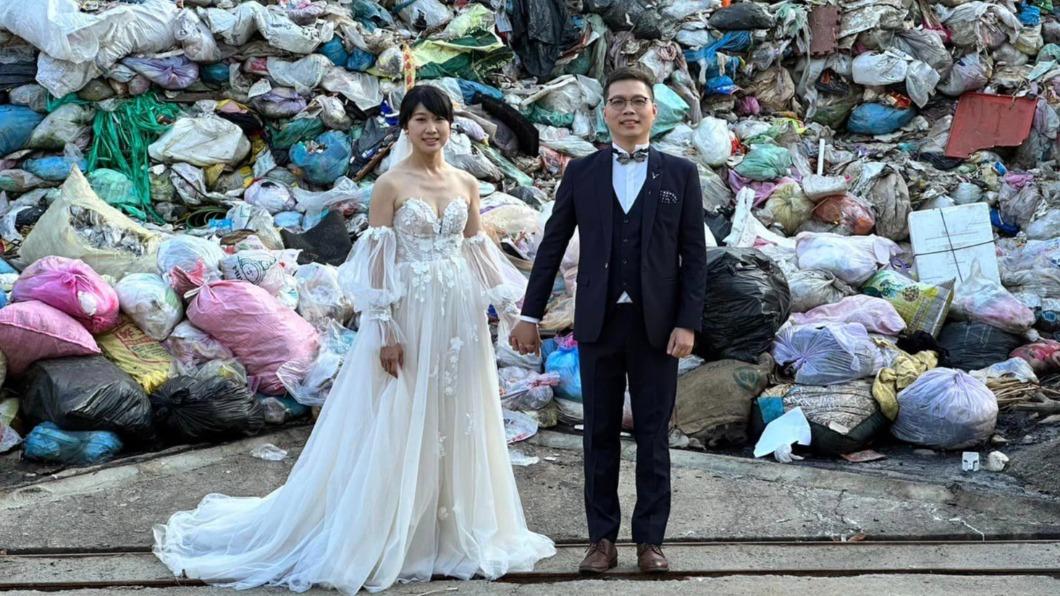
(120, 141)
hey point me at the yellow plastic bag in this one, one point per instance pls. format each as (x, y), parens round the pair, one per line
(143, 358)
(79, 225)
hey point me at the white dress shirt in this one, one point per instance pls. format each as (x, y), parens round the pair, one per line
(626, 180)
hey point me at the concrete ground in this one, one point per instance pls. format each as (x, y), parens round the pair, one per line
(716, 498)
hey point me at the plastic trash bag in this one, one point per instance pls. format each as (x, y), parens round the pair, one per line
(72, 287)
(524, 389)
(53, 168)
(189, 253)
(116, 189)
(818, 187)
(852, 259)
(188, 409)
(879, 69)
(765, 162)
(324, 159)
(9, 437)
(425, 14)
(320, 297)
(202, 141)
(195, 37)
(259, 267)
(847, 212)
(811, 288)
(67, 124)
(1042, 356)
(143, 358)
(829, 354)
(47, 442)
(945, 409)
(875, 314)
(878, 119)
(87, 393)
(923, 306)
(262, 333)
(972, 346)
(564, 362)
(843, 418)
(969, 73)
(193, 347)
(747, 300)
(270, 195)
(788, 206)
(32, 331)
(151, 303)
(713, 142)
(312, 387)
(174, 72)
(740, 17)
(981, 299)
(17, 124)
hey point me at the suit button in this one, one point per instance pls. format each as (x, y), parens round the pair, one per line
(625, 220)
(624, 240)
(624, 262)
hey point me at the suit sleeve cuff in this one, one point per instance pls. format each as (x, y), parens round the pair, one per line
(529, 319)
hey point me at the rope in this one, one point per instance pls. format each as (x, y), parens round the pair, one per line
(128, 131)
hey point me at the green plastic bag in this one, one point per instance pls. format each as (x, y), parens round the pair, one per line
(764, 163)
(294, 132)
(672, 110)
(117, 190)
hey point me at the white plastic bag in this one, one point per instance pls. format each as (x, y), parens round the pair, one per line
(269, 195)
(979, 298)
(56, 27)
(853, 259)
(827, 354)
(303, 75)
(713, 142)
(320, 297)
(947, 409)
(781, 433)
(149, 301)
(259, 267)
(818, 187)
(878, 69)
(191, 347)
(190, 253)
(195, 37)
(202, 141)
(311, 387)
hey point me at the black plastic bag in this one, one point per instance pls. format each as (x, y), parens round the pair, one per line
(541, 30)
(972, 345)
(190, 409)
(719, 222)
(87, 393)
(525, 132)
(644, 17)
(741, 17)
(327, 242)
(747, 300)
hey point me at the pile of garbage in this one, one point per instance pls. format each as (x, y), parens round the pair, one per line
(180, 179)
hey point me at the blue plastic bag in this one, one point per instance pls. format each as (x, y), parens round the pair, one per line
(16, 126)
(334, 51)
(1031, 16)
(564, 362)
(324, 159)
(672, 110)
(878, 119)
(721, 85)
(53, 167)
(360, 60)
(47, 442)
(215, 74)
(469, 88)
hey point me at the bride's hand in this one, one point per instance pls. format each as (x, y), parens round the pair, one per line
(392, 358)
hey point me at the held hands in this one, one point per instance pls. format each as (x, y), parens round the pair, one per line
(392, 358)
(680, 344)
(525, 338)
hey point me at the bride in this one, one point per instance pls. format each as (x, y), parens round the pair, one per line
(406, 473)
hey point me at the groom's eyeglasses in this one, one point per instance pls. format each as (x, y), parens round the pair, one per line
(619, 103)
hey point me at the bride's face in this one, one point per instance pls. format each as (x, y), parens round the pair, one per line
(427, 131)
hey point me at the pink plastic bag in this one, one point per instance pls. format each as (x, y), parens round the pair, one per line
(876, 314)
(262, 333)
(1042, 355)
(32, 331)
(73, 287)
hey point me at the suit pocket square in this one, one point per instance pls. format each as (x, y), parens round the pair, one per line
(667, 197)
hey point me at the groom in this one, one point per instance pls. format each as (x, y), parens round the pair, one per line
(640, 289)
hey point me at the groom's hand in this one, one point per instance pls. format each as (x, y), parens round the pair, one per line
(680, 342)
(525, 338)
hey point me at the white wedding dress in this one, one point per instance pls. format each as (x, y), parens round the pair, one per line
(401, 479)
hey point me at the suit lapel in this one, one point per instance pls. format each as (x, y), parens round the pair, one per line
(650, 196)
(605, 194)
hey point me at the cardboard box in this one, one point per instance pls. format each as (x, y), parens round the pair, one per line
(947, 241)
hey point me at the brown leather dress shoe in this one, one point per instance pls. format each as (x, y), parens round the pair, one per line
(651, 559)
(600, 557)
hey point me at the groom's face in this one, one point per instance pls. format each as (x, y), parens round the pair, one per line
(630, 111)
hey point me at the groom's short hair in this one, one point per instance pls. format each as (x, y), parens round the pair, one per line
(630, 74)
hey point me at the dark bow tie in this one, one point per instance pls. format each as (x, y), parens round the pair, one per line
(624, 158)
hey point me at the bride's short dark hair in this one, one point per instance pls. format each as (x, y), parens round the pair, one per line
(433, 99)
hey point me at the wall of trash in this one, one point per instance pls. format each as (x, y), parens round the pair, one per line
(180, 179)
